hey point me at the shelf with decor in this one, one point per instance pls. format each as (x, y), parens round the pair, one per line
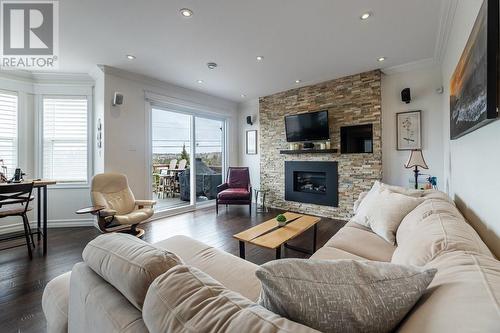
(309, 151)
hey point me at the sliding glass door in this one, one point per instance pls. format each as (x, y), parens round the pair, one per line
(171, 150)
(209, 157)
(188, 158)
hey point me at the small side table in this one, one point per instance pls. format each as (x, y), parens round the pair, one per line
(261, 207)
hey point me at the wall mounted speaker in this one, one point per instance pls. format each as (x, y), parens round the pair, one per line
(249, 120)
(406, 95)
(117, 99)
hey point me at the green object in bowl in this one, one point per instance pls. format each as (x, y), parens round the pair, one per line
(281, 218)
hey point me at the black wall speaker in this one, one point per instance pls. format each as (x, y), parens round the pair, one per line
(406, 95)
(117, 99)
(249, 120)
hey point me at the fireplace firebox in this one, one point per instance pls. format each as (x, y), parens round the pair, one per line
(312, 182)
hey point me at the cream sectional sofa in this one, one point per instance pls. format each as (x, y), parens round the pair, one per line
(463, 297)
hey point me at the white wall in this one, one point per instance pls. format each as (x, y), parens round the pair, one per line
(423, 84)
(472, 162)
(125, 133)
(249, 108)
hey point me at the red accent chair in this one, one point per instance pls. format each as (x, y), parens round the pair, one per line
(237, 189)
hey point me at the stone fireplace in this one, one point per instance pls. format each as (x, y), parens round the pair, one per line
(351, 100)
(312, 182)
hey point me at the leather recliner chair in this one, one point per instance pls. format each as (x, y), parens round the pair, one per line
(111, 191)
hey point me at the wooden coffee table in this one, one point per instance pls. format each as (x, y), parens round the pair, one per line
(268, 235)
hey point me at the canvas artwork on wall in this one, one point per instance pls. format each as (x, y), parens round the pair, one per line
(473, 86)
(409, 130)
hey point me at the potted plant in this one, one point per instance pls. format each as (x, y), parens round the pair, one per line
(281, 219)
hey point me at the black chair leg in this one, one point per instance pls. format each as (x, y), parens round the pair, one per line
(26, 226)
(31, 234)
(250, 209)
(216, 207)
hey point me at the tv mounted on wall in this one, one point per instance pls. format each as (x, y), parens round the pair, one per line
(312, 126)
(356, 139)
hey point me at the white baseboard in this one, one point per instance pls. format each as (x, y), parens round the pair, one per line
(50, 224)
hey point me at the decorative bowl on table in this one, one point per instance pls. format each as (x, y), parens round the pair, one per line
(281, 219)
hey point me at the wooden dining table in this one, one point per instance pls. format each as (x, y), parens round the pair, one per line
(41, 186)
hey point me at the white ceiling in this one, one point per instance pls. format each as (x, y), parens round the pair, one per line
(310, 40)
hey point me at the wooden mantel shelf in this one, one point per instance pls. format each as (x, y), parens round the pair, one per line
(310, 151)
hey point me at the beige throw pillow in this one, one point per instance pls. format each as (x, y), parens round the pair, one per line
(128, 263)
(342, 295)
(384, 211)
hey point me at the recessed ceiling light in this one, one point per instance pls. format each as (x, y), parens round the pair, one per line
(381, 59)
(130, 57)
(200, 81)
(365, 16)
(186, 12)
(260, 58)
(297, 81)
(243, 95)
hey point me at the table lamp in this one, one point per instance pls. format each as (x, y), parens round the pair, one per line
(416, 160)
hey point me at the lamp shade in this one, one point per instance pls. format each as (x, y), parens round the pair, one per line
(416, 159)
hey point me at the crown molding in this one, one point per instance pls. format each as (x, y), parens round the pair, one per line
(63, 78)
(448, 10)
(411, 66)
(48, 78)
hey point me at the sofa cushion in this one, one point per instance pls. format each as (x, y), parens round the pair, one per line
(128, 263)
(97, 306)
(232, 272)
(383, 212)
(463, 297)
(342, 295)
(185, 299)
(55, 300)
(438, 195)
(363, 243)
(234, 194)
(331, 253)
(434, 227)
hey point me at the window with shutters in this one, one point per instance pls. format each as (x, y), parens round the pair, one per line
(65, 139)
(8, 132)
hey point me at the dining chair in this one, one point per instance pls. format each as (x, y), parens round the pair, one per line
(182, 164)
(14, 201)
(172, 165)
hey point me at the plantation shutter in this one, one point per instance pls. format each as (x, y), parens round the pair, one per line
(65, 139)
(8, 132)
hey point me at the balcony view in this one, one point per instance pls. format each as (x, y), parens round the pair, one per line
(171, 148)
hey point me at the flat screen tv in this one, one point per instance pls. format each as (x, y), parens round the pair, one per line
(356, 139)
(312, 126)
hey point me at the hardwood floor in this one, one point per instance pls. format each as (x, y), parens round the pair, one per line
(22, 281)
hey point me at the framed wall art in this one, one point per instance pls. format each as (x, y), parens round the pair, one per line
(409, 130)
(251, 142)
